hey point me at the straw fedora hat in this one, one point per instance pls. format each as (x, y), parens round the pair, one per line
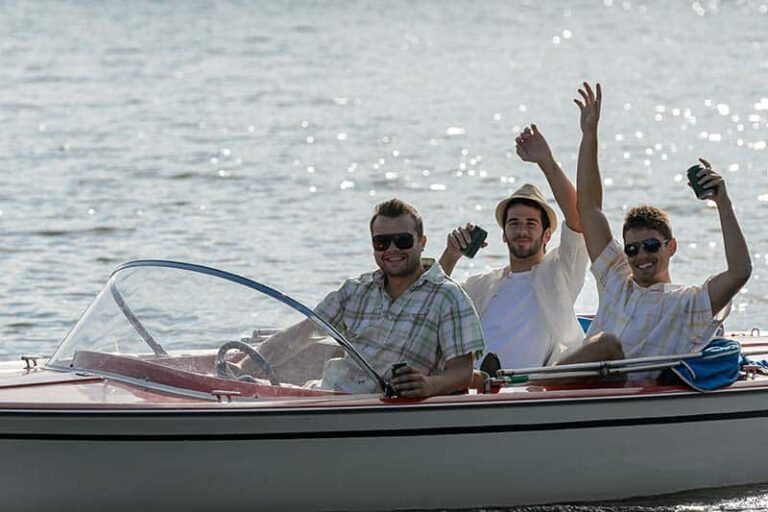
(531, 193)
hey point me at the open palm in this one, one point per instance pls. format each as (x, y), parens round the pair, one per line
(531, 146)
(589, 106)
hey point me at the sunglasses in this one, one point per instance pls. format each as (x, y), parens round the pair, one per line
(402, 241)
(648, 245)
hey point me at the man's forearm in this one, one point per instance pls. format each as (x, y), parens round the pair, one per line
(736, 249)
(588, 182)
(457, 377)
(589, 190)
(564, 192)
(448, 262)
(726, 284)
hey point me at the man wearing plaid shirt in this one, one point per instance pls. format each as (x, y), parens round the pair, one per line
(641, 313)
(405, 311)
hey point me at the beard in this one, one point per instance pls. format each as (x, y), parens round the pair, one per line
(411, 265)
(525, 252)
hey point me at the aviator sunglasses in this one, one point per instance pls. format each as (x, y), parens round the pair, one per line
(402, 241)
(649, 245)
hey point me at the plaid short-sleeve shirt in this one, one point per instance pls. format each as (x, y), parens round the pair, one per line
(431, 322)
(661, 319)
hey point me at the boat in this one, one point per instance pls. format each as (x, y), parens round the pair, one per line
(138, 408)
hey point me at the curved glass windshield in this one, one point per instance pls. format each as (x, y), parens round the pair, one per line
(188, 326)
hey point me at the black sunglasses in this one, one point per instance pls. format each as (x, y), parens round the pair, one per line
(402, 241)
(648, 245)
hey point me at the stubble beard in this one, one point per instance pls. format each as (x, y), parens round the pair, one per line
(412, 265)
(522, 253)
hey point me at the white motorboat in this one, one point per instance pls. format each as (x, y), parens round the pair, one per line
(136, 410)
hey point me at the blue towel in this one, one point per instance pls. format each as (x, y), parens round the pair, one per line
(584, 321)
(763, 363)
(717, 366)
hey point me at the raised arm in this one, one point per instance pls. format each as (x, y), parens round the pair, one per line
(726, 284)
(589, 187)
(532, 147)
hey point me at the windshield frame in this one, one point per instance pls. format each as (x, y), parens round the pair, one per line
(249, 283)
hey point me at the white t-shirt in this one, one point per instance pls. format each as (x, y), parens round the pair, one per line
(512, 321)
(555, 283)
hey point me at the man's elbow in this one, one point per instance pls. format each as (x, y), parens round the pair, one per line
(742, 274)
(584, 206)
(464, 380)
(737, 278)
(460, 374)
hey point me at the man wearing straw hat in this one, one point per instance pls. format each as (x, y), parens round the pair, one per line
(526, 307)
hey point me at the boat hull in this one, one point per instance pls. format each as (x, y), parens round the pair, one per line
(377, 455)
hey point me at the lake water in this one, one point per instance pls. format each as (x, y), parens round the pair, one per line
(257, 136)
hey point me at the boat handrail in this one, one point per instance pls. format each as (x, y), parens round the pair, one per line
(599, 368)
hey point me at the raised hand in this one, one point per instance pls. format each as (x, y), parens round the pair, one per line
(589, 106)
(460, 238)
(531, 146)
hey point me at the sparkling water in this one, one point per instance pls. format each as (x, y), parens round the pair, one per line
(256, 137)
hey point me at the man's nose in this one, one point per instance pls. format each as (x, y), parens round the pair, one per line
(520, 228)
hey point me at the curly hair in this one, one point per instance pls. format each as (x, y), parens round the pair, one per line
(648, 217)
(395, 208)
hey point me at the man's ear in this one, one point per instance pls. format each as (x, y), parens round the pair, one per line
(672, 247)
(504, 236)
(423, 242)
(546, 235)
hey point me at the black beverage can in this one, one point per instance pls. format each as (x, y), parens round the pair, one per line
(701, 192)
(478, 236)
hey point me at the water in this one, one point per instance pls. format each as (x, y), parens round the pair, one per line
(256, 137)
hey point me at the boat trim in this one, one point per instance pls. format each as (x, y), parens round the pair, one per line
(406, 432)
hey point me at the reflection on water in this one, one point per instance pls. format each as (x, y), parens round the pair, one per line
(257, 137)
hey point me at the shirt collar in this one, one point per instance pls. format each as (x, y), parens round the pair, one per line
(658, 287)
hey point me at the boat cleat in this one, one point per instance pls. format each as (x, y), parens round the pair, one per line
(31, 362)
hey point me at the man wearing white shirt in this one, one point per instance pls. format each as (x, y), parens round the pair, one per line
(526, 307)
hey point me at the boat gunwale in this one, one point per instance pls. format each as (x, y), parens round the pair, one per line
(363, 404)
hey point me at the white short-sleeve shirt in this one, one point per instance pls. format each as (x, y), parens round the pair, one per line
(662, 319)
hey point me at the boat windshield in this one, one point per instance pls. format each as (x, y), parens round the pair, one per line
(154, 318)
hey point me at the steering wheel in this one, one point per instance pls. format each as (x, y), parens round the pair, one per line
(223, 370)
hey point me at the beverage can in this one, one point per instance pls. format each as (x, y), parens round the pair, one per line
(701, 192)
